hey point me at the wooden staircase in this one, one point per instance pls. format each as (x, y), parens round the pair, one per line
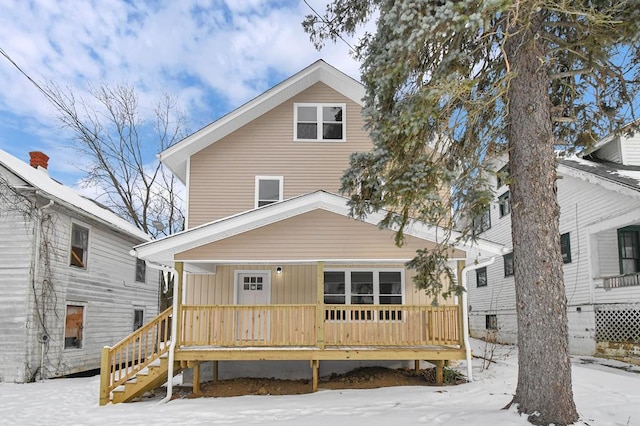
(147, 379)
(138, 363)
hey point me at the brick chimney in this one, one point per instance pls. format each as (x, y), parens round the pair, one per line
(38, 159)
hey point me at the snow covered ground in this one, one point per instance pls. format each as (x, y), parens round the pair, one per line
(605, 393)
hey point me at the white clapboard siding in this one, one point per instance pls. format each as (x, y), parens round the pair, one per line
(582, 205)
(631, 150)
(15, 264)
(106, 288)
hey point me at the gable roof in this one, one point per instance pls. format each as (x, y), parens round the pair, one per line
(176, 157)
(63, 195)
(613, 176)
(163, 250)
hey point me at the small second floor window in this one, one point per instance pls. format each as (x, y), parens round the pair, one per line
(565, 247)
(79, 246)
(508, 265)
(481, 277)
(505, 204)
(482, 223)
(268, 190)
(319, 122)
(502, 176)
(141, 270)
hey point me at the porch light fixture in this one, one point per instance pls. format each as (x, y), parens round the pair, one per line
(279, 270)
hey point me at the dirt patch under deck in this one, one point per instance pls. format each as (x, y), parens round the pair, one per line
(361, 378)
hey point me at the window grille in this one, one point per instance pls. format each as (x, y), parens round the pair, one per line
(618, 323)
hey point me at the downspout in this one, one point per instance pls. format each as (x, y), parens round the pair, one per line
(174, 335)
(36, 270)
(465, 309)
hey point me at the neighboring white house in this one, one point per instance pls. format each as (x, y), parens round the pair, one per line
(68, 284)
(599, 198)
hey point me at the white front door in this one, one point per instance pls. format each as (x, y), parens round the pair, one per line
(253, 289)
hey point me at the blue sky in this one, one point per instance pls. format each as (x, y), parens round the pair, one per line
(212, 55)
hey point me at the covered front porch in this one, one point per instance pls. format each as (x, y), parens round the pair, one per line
(313, 332)
(293, 280)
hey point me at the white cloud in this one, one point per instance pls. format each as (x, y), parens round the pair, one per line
(214, 55)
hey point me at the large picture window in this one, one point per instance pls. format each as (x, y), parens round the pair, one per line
(363, 287)
(79, 246)
(319, 122)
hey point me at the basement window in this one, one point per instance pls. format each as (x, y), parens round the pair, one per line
(491, 322)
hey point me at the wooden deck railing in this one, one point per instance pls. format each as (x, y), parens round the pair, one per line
(617, 281)
(391, 325)
(343, 325)
(123, 360)
(248, 325)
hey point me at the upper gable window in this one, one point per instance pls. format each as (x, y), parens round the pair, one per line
(79, 246)
(268, 190)
(319, 122)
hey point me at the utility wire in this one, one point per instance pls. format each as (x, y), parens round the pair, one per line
(328, 24)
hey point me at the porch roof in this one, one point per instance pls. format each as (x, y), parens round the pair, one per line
(163, 251)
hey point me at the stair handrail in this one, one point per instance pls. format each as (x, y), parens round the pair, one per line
(135, 352)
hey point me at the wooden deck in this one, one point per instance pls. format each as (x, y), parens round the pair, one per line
(315, 333)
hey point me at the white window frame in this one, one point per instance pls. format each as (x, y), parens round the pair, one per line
(83, 305)
(319, 121)
(257, 188)
(86, 253)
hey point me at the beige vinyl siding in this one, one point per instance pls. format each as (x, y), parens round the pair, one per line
(295, 285)
(222, 176)
(314, 235)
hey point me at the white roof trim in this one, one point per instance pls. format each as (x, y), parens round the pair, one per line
(176, 157)
(164, 250)
(67, 197)
(595, 179)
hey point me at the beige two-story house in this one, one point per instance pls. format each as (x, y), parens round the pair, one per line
(271, 267)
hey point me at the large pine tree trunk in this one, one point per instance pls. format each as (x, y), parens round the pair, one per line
(544, 375)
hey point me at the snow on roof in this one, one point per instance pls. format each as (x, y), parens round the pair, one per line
(627, 176)
(68, 197)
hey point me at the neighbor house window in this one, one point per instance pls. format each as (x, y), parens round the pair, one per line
(505, 204)
(565, 247)
(73, 326)
(508, 265)
(629, 249)
(363, 287)
(79, 246)
(268, 190)
(138, 318)
(491, 322)
(482, 223)
(501, 176)
(319, 122)
(141, 270)
(481, 277)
